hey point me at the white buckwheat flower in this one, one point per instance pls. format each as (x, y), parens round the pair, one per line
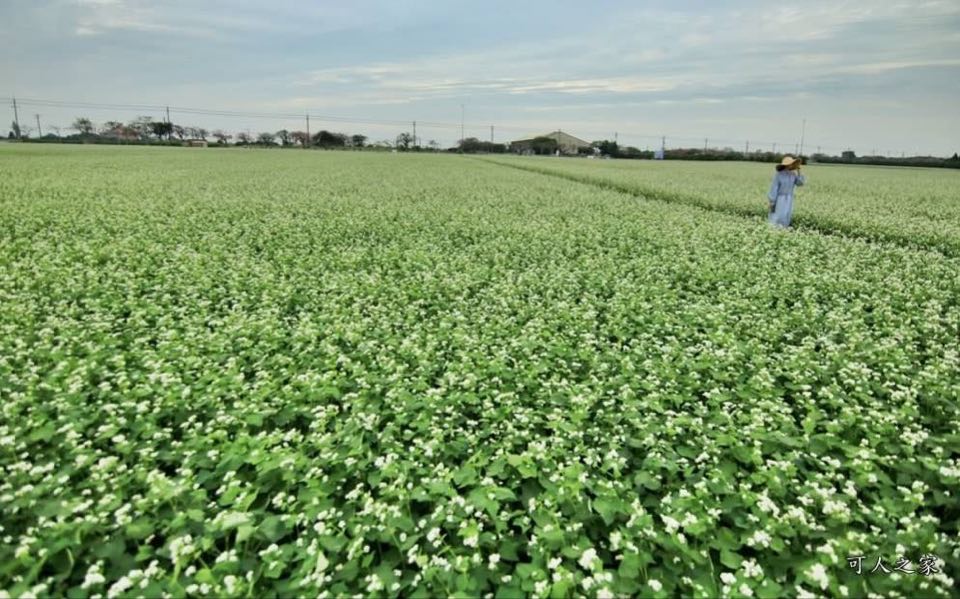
(588, 558)
(818, 574)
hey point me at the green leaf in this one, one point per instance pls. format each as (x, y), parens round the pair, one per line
(244, 531)
(273, 528)
(730, 560)
(607, 508)
(465, 476)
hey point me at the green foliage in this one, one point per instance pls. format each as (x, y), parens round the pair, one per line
(295, 373)
(542, 145)
(607, 148)
(472, 145)
(161, 129)
(328, 139)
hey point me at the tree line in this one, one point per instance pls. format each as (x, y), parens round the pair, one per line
(145, 130)
(608, 148)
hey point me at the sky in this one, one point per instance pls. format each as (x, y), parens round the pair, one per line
(869, 76)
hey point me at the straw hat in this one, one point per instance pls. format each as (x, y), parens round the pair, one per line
(789, 162)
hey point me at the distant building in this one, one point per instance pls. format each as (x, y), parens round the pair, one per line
(566, 143)
(196, 143)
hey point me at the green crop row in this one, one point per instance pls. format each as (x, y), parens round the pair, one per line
(913, 207)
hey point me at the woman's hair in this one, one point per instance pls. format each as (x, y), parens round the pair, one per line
(780, 167)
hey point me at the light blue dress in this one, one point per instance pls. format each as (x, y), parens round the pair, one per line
(781, 196)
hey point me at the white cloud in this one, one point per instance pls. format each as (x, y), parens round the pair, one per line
(97, 17)
(895, 65)
(661, 55)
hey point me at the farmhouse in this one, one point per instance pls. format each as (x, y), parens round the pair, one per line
(566, 143)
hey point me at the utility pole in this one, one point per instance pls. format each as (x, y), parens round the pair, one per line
(414, 133)
(491, 133)
(306, 144)
(616, 139)
(663, 147)
(462, 111)
(747, 148)
(16, 117)
(168, 114)
(704, 144)
(39, 130)
(803, 131)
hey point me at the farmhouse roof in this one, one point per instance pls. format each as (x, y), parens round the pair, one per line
(565, 138)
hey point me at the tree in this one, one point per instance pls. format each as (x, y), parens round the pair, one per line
(112, 129)
(472, 145)
(284, 136)
(201, 133)
(142, 126)
(299, 137)
(178, 131)
(160, 128)
(433, 145)
(607, 148)
(848, 155)
(543, 145)
(243, 138)
(357, 140)
(221, 136)
(83, 125)
(632, 152)
(328, 139)
(955, 157)
(266, 139)
(15, 131)
(404, 141)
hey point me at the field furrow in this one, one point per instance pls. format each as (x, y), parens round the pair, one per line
(911, 207)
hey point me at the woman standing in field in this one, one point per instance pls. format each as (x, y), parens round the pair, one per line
(781, 191)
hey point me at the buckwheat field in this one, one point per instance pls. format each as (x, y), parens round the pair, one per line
(255, 373)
